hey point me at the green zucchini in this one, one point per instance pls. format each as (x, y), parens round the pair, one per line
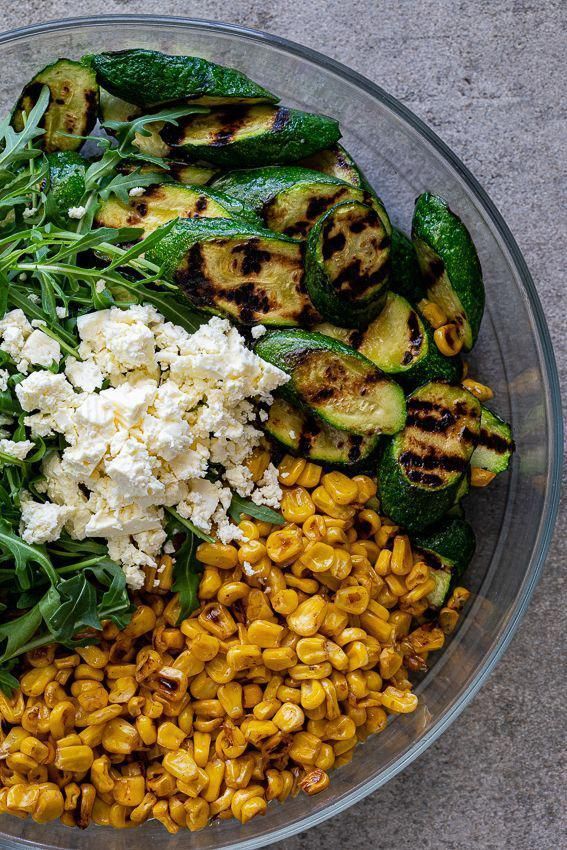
(336, 162)
(112, 108)
(347, 264)
(179, 172)
(334, 382)
(450, 265)
(150, 78)
(65, 183)
(422, 467)
(290, 199)
(457, 510)
(242, 136)
(440, 593)
(405, 274)
(72, 109)
(495, 444)
(230, 268)
(162, 203)
(400, 343)
(447, 548)
(303, 434)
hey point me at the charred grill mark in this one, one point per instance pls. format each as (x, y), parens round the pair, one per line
(322, 394)
(415, 339)
(353, 284)
(494, 442)
(331, 244)
(430, 558)
(318, 205)
(385, 242)
(299, 228)
(469, 436)
(281, 119)
(434, 271)
(426, 479)
(253, 258)
(201, 203)
(355, 338)
(91, 98)
(433, 459)
(251, 301)
(354, 451)
(141, 208)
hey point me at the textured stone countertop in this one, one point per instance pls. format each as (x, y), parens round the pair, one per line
(486, 76)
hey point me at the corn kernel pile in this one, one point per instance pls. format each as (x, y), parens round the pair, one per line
(301, 647)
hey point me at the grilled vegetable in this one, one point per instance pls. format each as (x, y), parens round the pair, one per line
(162, 203)
(112, 108)
(72, 108)
(336, 162)
(337, 384)
(150, 78)
(495, 444)
(243, 136)
(447, 548)
(65, 184)
(422, 467)
(405, 274)
(179, 172)
(230, 268)
(311, 438)
(449, 264)
(347, 264)
(290, 199)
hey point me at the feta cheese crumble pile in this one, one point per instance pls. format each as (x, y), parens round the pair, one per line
(174, 404)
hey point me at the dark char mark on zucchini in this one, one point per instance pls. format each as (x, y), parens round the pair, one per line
(415, 339)
(434, 271)
(33, 91)
(495, 442)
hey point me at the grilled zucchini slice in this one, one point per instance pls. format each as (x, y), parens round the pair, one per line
(422, 467)
(72, 109)
(450, 265)
(405, 274)
(311, 438)
(227, 267)
(336, 162)
(150, 78)
(290, 199)
(336, 383)
(495, 444)
(65, 183)
(447, 548)
(243, 136)
(112, 108)
(179, 172)
(347, 264)
(162, 203)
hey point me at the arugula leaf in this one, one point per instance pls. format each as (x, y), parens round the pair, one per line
(13, 145)
(122, 183)
(19, 632)
(25, 554)
(126, 130)
(115, 604)
(193, 529)
(169, 305)
(8, 683)
(187, 572)
(240, 506)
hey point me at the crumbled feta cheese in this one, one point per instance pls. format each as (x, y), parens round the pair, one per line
(136, 191)
(4, 375)
(29, 212)
(19, 450)
(84, 375)
(268, 491)
(100, 285)
(169, 548)
(61, 312)
(76, 212)
(14, 330)
(41, 350)
(258, 331)
(41, 522)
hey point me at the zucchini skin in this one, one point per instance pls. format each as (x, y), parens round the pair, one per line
(65, 183)
(444, 234)
(72, 109)
(336, 162)
(451, 543)
(336, 305)
(289, 135)
(404, 503)
(495, 444)
(405, 274)
(150, 78)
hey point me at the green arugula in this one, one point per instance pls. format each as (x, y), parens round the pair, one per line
(187, 577)
(240, 506)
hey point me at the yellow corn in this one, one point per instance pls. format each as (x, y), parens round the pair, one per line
(297, 505)
(219, 555)
(120, 737)
(305, 748)
(353, 600)
(264, 634)
(284, 545)
(77, 758)
(398, 701)
(325, 502)
(481, 391)
(448, 619)
(433, 313)
(308, 617)
(481, 477)
(290, 469)
(342, 489)
(448, 340)
(279, 658)
(314, 781)
(284, 601)
(169, 735)
(310, 476)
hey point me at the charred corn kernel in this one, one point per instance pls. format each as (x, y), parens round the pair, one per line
(318, 558)
(232, 591)
(434, 314)
(230, 698)
(205, 647)
(77, 758)
(481, 477)
(120, 737)
(398, 701)
(314, 528)
(264, 634)
(256, 731)
(366, 488)
(197, 813)
(305, 748)
(396, 585)
(289, 470)
(376, 720)
(143, 811)
(160, 811)
(100, 775)
(448, 340)
(297, 505)
(383, 562)
(312, 650)
(302, 672)
(314, 781)
(310, 476)
(325, 503)
(35, 748)
(458, 598)
(217, 620)
(390, 662)
(342, 489)
(426, 640)
(448, 619)
(420, 592)
(34, 682)
(243, 656)
(419, 573)
(169, 735)
(129, 790)
(101, 715)
(279, 658)
(50, 806)
(284, 545)
(353, 600)
(210, 584)
(357, 654)
(284, 601)
(180, 765)
(308, 617)
(252, 552)
(94, 656)
(220, 555)
(289, 718)
(481, 391)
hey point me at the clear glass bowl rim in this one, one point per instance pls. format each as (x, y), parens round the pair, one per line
(554, 409)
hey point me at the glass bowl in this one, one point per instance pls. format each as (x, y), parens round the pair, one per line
(514, 518)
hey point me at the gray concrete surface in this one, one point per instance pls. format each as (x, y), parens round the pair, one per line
(486, 75)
